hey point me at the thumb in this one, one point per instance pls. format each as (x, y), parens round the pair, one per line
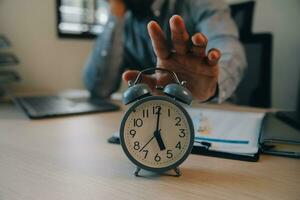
(132, 74)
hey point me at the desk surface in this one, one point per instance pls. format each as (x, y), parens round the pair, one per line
(69, 158)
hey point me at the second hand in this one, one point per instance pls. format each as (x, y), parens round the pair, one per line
(147, 143)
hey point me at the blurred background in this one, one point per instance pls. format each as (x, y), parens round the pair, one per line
(52, 62)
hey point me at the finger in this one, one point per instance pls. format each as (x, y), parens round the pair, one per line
(162, 79)
(132, 74)
(199, 44)
(213, 57)
(159, 41)
(180, 36)
(196, 69)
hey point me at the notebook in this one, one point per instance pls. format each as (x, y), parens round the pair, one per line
(279, 138)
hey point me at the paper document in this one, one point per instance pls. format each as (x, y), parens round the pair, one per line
(227, 131)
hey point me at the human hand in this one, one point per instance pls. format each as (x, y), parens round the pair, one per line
(189, 62)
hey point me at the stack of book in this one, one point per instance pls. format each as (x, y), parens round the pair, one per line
(7, 59)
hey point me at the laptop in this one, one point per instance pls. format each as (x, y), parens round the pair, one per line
(291, 117)
(41, 107)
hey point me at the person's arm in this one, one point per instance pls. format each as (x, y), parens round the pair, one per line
(102, 73)
(217, 25)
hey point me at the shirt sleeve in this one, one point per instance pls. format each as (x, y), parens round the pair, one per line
(102, 72)
(214, 20)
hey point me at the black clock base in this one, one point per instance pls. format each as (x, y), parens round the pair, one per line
(176, 170)
(136, 172)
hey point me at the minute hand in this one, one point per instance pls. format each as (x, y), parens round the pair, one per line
(157, 119)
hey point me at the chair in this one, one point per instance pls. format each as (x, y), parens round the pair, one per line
(255, 87)
(242, 13)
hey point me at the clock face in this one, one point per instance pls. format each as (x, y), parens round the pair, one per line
(157, 134)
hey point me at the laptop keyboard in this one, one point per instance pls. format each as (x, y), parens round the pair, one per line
(50, 106)
(46, 103)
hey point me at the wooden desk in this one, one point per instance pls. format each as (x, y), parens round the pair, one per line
(69, 158)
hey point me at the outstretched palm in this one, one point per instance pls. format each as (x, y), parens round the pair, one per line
(189, 62)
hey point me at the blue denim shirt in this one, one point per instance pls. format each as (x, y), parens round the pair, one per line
(127, 45)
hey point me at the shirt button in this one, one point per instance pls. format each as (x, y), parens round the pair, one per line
(157, 13)
(223, 94)
(110, 24)
(103, 53)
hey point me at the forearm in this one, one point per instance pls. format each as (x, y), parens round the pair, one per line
(102, 70)
(94, 70)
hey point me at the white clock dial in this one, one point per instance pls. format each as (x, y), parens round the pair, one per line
(157, 133)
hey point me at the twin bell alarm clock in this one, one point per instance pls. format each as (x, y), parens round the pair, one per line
(157, 133)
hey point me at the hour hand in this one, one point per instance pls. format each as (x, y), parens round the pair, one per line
(159, 140)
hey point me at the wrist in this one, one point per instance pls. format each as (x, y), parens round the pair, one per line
(213, 96)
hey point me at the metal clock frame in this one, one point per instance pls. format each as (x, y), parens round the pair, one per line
(139, 165)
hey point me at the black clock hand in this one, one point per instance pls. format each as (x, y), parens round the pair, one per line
(157, 119)
(157, 133)
(159, 140)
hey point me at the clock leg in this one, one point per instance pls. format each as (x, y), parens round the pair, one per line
(177, 171)
(137, 170)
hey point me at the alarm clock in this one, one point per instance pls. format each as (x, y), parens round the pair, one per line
(156, 132)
